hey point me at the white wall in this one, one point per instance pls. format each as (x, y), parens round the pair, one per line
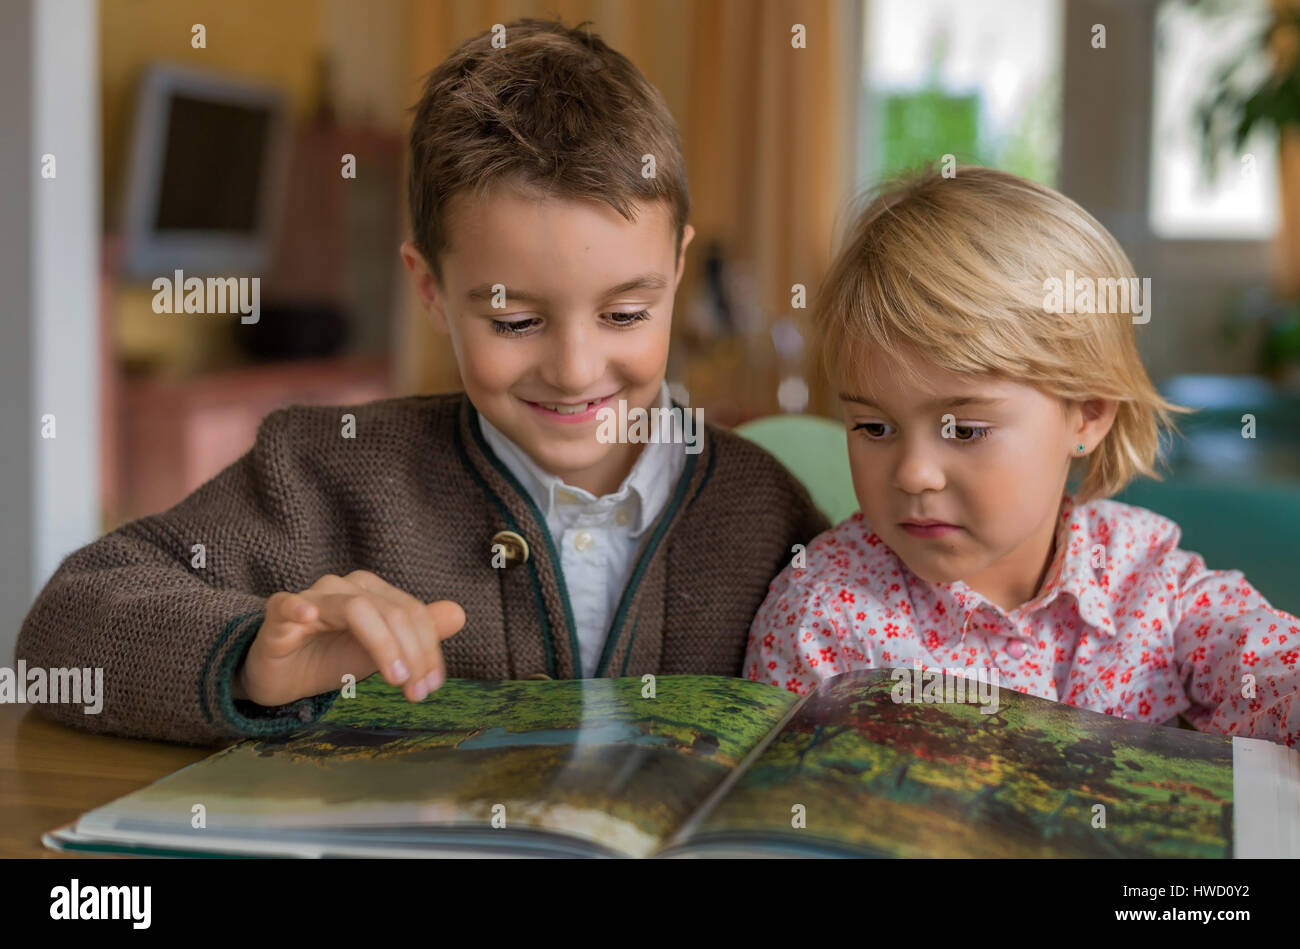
(49, 333)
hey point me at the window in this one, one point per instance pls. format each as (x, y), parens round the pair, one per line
(1192, 46)
(978, 79)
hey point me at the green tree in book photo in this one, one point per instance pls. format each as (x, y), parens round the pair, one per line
(921, 779)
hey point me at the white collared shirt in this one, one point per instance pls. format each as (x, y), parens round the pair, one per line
(597, 538)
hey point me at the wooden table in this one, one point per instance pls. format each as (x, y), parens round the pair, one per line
(50, 775)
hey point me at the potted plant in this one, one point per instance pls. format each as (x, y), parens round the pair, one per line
(1244, 98)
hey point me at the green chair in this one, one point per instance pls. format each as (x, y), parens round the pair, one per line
(1251, 527)
(816, 452)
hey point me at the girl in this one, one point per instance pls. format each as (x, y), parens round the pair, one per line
(970, 394)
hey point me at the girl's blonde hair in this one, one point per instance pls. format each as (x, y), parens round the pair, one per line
(956, 268)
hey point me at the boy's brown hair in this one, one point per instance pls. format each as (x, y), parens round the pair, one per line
(555, 110)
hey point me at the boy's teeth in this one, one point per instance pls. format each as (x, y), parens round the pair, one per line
(566, 409)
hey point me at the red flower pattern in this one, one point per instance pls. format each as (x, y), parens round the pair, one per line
(1150, 634)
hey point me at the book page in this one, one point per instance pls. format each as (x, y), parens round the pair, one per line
(612, 765)
(854, 772)
(1266, 788)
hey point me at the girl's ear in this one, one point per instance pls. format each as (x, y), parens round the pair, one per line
(1096, 418)
(426, 285)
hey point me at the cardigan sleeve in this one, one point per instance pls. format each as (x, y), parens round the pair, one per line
(162, 609)
(1238, 657)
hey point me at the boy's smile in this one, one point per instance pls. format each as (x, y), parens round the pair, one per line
(981, 505)
(582, 410)
(556, 309)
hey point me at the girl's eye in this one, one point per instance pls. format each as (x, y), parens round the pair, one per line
(513, 327)
(619, 318)
(963, 433)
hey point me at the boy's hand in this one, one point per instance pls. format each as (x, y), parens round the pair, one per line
(357, 624)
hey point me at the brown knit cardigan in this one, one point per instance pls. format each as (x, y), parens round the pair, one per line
(416, 497)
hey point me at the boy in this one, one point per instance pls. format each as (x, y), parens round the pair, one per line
(499, 516)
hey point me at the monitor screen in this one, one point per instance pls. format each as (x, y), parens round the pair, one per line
(206, 174)
(212, 168)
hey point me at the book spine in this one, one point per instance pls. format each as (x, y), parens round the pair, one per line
(693, 821)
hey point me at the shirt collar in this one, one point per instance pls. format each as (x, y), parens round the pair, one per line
(1071, 571)
(646, 486)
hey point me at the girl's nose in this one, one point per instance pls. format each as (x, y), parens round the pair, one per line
(918, 470)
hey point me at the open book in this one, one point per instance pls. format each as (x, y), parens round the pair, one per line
(708, 766)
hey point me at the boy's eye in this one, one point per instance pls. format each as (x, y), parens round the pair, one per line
(521, 327)
(513, 327)
(619, 318)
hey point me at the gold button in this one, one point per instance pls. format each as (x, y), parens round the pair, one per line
(583, 540)
(516, 548)
(622, 517)
(537, 675)
(566, 497)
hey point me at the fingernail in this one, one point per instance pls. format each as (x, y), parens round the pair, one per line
(421, 691)
(399, 672)
(436, 678)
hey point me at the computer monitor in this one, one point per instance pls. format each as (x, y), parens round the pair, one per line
(206, 175)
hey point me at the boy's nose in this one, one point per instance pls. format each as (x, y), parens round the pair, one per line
(574, 364)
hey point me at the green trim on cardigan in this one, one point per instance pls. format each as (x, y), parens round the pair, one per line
(212, 654)
(666, 518)
(509, 476)
(708, 473)
(628, 655)
(536, 582)
(262, 727)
